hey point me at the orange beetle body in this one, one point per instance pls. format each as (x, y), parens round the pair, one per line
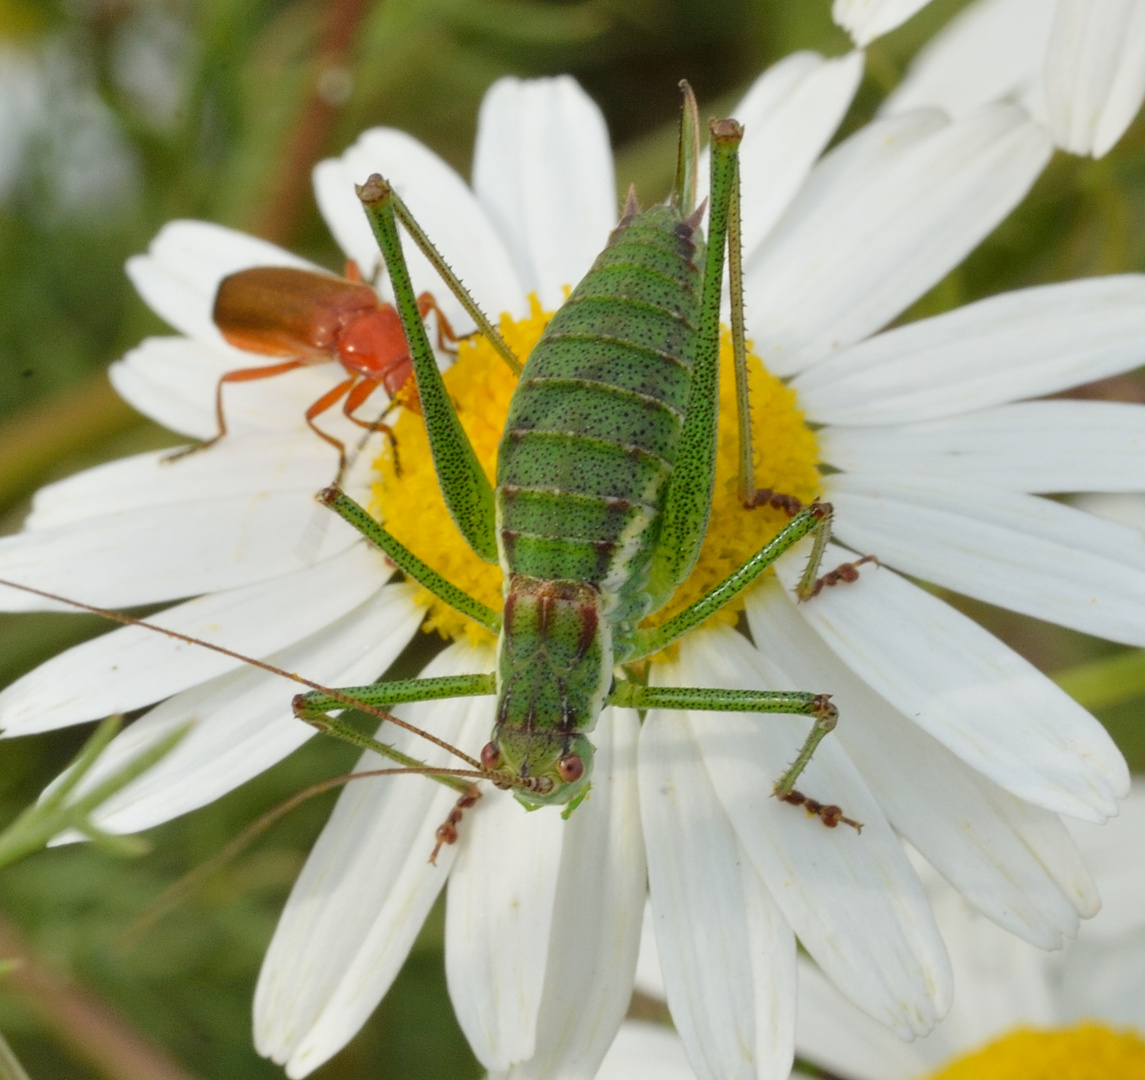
(316, 318)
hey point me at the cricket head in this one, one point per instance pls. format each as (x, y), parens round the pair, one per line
(554, 670)
(543, 770)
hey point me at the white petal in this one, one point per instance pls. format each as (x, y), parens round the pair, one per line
(498, 922)
(180, 274)
(644, 1051)
(958, 682)
(882, 218)
(649, 976)
(367, 885)
(251, 466)
(991, 50)
(174, 381)
(1095, 72)
(726, 953)
(166, 379)
(542, 168)
(1129, 509)
(445, 208)
(597, 916)
(175, 542)
(852, 899)
(1033, 446)
(1014, 861)
(868, 19)
(1023, 552)
(1020, 344)
(1105, 849)
(241, 723)
(788, 115)
(832, 1033)
(133, 666)
(1000, 981)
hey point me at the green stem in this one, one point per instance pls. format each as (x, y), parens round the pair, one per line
(10, 1067)
(1109, 681)
(33, 442)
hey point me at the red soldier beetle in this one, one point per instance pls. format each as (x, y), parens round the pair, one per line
(315, 318)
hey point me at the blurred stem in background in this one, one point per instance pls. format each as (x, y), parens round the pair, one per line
(77, 1018)
(92, 1031)
(119, 115)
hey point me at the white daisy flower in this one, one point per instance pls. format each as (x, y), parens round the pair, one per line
(1077, 65)
(1018, 1011)
(947, 737)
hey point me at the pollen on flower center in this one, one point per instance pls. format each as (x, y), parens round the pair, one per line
(480, 384)
(1089, 1051)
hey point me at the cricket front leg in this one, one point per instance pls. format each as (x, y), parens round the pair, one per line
(788, 702)
(316, 708)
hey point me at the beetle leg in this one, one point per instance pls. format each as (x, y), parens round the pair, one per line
(242, 375)
(328, 399)
(425, 304)
(357, 397)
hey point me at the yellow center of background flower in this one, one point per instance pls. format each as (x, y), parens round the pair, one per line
(1089, 1051)
(480, 384)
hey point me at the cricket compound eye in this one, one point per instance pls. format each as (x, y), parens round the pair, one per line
(491, 755)
(571, 768)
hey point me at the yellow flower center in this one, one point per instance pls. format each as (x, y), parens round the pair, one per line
(1089, 1051)
(480, 384)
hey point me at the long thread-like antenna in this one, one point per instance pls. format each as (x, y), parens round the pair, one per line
(345, 699)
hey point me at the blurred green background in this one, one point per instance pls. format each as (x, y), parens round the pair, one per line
(119, 115)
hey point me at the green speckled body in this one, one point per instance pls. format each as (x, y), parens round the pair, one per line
(604, 492)
(592, 431)
(583, 470)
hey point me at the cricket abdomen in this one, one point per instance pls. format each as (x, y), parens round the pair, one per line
(593, 427)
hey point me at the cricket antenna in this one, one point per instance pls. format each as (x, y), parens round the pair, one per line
(688, 154)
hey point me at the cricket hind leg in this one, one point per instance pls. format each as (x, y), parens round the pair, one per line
(788, 702)
(466, 489)
(750, 495)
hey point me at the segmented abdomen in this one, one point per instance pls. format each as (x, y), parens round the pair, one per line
(591, 435)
